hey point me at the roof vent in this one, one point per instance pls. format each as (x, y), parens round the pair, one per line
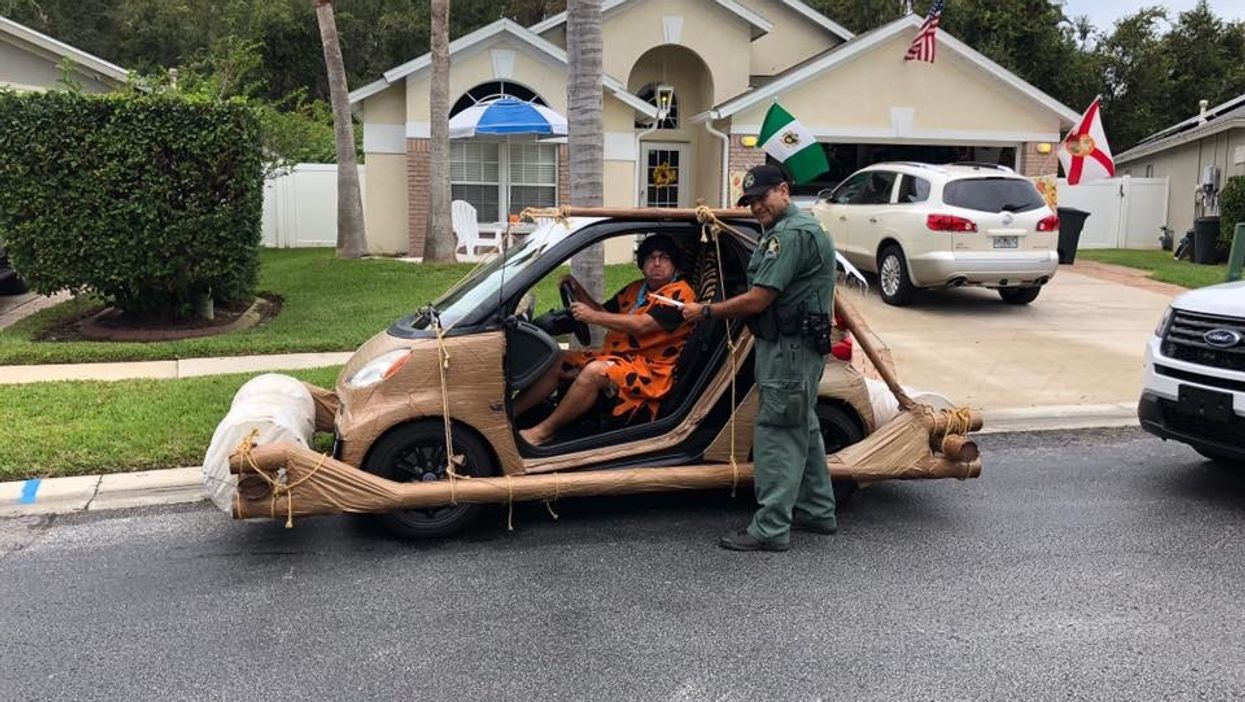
(1201, 110)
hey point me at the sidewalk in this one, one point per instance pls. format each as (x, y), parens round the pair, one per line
(184, 368)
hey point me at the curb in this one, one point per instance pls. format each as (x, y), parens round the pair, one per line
(113, 491)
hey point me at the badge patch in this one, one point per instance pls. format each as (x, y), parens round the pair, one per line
(773, 248)
(749, 180)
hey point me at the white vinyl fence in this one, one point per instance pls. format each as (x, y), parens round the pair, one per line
(1125, 213)
(300, 207)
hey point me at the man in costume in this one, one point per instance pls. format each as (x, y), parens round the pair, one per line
(636, 365)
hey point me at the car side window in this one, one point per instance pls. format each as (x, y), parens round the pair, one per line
(847, 190)
(913, 189)
(877, 189)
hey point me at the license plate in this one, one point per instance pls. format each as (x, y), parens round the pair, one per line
(1207, 404)
(1006, 242)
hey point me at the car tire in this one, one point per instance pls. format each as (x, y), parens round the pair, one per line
(416, 452)
(1220, 457)
(1019, 296)
(13, 286)
(839, 430)
(893, 280)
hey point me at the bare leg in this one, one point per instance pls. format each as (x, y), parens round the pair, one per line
(581, 396)
(538, 391)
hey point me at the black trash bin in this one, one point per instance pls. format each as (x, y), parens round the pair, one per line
(1206, 240)
(1071, 222)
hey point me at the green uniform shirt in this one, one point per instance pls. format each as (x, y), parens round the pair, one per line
(796, 258)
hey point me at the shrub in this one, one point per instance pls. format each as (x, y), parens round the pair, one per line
(150, 201)
(1231, 209)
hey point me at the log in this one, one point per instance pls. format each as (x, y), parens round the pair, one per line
(326, 403)
(956, 447)
(685, 213)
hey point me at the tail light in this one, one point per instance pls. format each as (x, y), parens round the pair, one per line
(949, 223)
(1049, 224)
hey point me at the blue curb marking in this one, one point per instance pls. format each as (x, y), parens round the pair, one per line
(29, 489)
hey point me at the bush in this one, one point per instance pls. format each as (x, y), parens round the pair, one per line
(150, 201)
(1231, 209)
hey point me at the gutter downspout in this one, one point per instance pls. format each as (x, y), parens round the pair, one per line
(726, 154)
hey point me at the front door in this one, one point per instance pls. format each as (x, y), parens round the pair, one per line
(667, 171)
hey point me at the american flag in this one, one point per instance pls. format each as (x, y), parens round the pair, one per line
(922, 47)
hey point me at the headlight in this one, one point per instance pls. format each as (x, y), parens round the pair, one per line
(1161, 329)
(379, 369)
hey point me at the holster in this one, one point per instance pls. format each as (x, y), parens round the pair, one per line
(796, 321)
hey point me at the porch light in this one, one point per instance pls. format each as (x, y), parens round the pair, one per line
(749, 141)
(1043, 148)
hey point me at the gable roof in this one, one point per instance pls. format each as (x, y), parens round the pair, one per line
(760, 25)
(483, 34)
(87, 61)
(843, 53)
(819, 19)
(1221, 117)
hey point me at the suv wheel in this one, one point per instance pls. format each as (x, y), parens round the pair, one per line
(1220, 457)
(894, 282)
(1019, 296)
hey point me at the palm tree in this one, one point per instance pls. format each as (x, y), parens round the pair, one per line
(439, 241)
(586, 132)
(351, 239)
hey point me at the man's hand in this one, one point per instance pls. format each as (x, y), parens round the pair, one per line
(691, 310)
(583, 313)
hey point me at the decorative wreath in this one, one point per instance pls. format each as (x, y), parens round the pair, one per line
(664, 176)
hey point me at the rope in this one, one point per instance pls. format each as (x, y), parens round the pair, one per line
(561, 215)
(509, 503)
(452, 461)
(548, 504)
(712, 227)
(246, 448)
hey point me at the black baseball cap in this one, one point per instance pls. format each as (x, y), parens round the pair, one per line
(759, 180)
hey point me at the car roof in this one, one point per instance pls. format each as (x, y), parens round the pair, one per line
(947, 171)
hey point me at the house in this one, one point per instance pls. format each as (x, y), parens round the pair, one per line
(30, 60)
(715, 66)
(1197, 155)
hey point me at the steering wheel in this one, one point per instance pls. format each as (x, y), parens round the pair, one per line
(582, 334)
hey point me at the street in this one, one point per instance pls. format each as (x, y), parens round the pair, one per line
(1094, 565)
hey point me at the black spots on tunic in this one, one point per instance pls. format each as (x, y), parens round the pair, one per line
(678, 295)
(670, 352)
(646, 380)
(634, 342)
(631, 378)
(635, 391)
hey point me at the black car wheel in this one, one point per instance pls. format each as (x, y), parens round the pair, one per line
(416, 453)
(1220, 457)
(893, 279)
(1019, 296)
(838, 431)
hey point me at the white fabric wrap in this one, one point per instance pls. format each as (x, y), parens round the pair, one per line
(279, 406)
(886, 407)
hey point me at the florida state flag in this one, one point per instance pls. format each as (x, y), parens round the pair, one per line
(1084, 153)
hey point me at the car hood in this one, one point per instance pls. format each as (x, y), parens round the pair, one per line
(1225, 300)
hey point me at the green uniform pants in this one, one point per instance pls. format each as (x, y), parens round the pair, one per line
(789, 453)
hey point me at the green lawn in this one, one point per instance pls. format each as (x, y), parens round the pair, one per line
(1161, 266)
(88, 427)
(329, 305)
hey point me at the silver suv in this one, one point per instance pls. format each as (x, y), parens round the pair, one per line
(1194, 388)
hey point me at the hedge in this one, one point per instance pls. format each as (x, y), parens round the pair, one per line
(1231, 209)
(149, 201)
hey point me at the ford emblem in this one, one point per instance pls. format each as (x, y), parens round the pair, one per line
(1222, 338)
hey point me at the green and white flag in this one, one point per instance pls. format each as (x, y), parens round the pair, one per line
(788, 141)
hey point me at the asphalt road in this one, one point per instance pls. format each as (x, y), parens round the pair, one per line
(1103, 565)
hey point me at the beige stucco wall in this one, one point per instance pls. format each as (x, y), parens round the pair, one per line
(719, 37)
(24, 67)
(386, 107)
(1183, 165)
(793, 39)
(546, 77)
(952, 95)
(384, 206)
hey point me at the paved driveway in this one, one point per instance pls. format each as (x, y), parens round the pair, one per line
(15, 307)
(1081, 342)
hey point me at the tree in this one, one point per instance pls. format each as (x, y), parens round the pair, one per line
(586, 132)
(1136, 74)
(1207, 60)
(351, 239)
(439, 242)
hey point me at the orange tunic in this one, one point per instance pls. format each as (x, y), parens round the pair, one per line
(641, 370)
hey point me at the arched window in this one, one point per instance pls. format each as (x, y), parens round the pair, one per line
(487, 92)
(649, 94)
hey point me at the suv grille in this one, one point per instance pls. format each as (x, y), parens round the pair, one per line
(1184, 341)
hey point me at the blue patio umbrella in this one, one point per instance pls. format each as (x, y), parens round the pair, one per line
(507, 116)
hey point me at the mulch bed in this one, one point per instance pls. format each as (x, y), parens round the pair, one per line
(110, 324)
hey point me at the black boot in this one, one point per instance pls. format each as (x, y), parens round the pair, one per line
(743, 541)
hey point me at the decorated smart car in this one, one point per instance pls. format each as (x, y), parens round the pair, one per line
(423, 416)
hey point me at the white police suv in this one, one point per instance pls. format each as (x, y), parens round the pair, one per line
(1195, 373)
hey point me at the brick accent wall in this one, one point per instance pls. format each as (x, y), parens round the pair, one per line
(564, 175)
(1034, 164)
(417, 193)
(743, 157)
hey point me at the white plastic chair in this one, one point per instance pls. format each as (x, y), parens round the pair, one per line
(467, 230)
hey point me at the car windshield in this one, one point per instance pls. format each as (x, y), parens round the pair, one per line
(485, 282)
(993, 194)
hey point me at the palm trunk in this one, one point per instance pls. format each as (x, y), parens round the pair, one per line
(351, 239)
(586, 133)
(440, 242)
